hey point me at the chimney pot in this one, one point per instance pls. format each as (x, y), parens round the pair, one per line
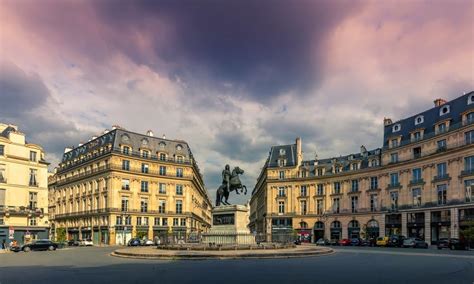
(439, 102)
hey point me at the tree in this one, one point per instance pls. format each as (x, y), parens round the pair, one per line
(468, 233)
(60, 235)
(141, 235)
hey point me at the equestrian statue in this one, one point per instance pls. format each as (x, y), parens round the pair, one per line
(230, 182)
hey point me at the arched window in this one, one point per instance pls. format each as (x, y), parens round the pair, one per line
(354, 224)
(372, 224)
(303, 225)
(336, 225)
(319, 225)
(444, 110)
(419, 120)
(397, 127)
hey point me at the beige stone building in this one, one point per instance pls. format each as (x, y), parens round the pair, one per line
(23, 188)
(419, 184)
(123, 184)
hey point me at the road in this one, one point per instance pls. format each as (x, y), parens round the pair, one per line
(347, 265)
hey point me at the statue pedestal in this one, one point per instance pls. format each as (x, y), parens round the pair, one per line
(229, 226)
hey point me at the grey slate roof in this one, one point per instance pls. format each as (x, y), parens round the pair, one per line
(431, 117)
(289, 154)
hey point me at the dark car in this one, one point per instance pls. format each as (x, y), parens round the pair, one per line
(134, 242)
(322, 242)
(39, 245)
(414, 243)
(297, 242)
(396, 241)
(356, 242)
(73, 243)
(453, 244)
(334, 242)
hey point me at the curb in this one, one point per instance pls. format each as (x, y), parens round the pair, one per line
(159, 256)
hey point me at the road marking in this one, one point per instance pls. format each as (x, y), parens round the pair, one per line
(404, 253)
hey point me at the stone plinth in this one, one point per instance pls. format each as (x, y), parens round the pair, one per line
(229, 226)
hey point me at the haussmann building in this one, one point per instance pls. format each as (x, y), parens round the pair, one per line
(419, 184)
(124, 184)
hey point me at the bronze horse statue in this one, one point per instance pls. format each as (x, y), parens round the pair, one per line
(222, 194)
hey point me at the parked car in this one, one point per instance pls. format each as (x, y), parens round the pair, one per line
(322, 242)
(39, 245)
(134, 242)
(334, 242)
(355, 242)
(86, 242)
(147, 242)
(414, 243)
(382, 241)
(297, 242)
(344, 242)
(72, 243)
(396, 240)
(452, 243)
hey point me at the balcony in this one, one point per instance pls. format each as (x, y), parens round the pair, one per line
(439, 178)
(468, 172)
(415, 182)
(21, 211)
(281, 195)
(395, 185)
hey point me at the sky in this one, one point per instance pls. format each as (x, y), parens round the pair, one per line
(232, 78)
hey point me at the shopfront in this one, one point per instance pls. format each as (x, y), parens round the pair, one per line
(282, 230)
(160, 234)
(393, 224)
(440, 225)
(353, 230)
(318, 231)
(86, 233)
(336, 230)
(373, 230)
(179, 234)
(416, 225)
(73, 234)
(104, 236)
(466, 217)
(123, 234)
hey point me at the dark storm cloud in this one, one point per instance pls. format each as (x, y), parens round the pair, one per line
(262, 48)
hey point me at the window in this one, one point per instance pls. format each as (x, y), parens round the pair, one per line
(444, 110)
(417, 152)
(2, 150)
(145, 168)
(337, 187)
(470, 100)
(124, 204)
(32, 221)
(139, 221)
(394, 158)
(354, 203)
(416, 175)
(183, 222)
(282, 152)
(281, 162)
(179, 159)
(145, 221)
(3, 177)
(441, 145)
(179, 189)
(374, 183)
(355, 185)
(303, 190)
(469, 137)
(303, 207)
(394, 143)
(416, 136)
(165, 221)
(282, 175)
(33, 181)
(396, 128)
(419, 120)
(118, 220)
(374, 163)
(469, 119)
(442, 189)
(33, 200)
(161, 206)
(162, 157)
(469, 190)
(355, 166)
(469, 164)
(320, 189)
(319, 207)
(179, 147)
(320, 172)
(145, 154)
(441, 168)
(126, 150)
(144, 187)
(281, 191)
(175, 221)
(373, 202)
(179, 206)
(281, 207)
(162, 188)
(125, 165)
(157, 221)
(162, 170)
(416, 192)
(33, 156)
(179, 172)
(394, 200)
(335, 205)
(337, 169)
(125, 184)
(144, 205)
(442, 127)
(394, 179)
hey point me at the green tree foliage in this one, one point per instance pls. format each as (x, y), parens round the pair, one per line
(60, 235)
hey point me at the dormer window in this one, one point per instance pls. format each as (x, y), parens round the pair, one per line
(419, 120)
(282, 152)
(144, 142)
(470, 100)
(179, 147)
(282, 162)
(444, 110)
(374, 163)
(417, 136)
(394, 143)
(145, 154)
(320, 172)
(355, 166)
(126, 150)
(442, 127)
(162, 144)
(397, 127)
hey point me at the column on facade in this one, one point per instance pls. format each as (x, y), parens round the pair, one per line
(428, 227)
(344, 225)
(454, 223)
(404, 224)
(382, 225)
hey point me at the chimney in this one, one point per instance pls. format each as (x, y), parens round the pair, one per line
(387, 121)
(439, 102)
(149, 133)
(299, 152)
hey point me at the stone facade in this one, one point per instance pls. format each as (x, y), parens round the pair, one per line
(419, 184)
(23, 188)
(124, 184)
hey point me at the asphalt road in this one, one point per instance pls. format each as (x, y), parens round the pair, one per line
(347, 265)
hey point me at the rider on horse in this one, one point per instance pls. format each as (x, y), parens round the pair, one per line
(226, 175)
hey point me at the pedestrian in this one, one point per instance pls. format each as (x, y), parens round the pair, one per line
(4, 245)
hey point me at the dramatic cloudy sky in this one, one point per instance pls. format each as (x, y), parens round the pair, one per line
(230, 77)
